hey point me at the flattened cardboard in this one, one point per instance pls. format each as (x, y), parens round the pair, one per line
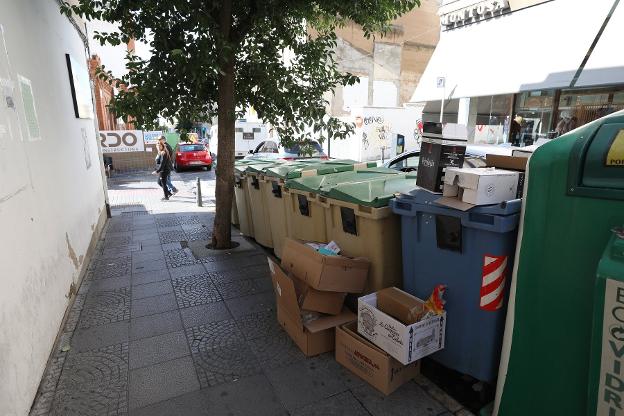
(506, 162)
(311, 299)
(400, 305)
(406, 343)
(313, 338)
(325, 273)
(371, 363)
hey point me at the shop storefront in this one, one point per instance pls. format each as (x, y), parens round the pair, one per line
(521, 70)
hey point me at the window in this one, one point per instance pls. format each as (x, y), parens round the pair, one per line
(238, 130)
(268, 147)
(256, 129)
(192, 148)
(406, 164)
(492, 119)
(310, 149)
(533, 117)
(578, 107)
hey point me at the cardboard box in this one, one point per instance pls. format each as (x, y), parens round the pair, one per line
(516, 163)
(326, 273)
(311, 299)
(400, 305)
(464, 188)
(406, 343)
(371, 363)
(441, 147)
(313, 337)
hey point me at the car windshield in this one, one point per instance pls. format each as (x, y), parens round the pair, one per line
(192, 147)
(305, 149)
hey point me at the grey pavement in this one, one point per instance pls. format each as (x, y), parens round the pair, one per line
(156, 331)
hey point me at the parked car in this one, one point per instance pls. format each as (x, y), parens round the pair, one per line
(474, 158)
(269, 149)
(192, 155)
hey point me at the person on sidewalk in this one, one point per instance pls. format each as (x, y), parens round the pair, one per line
(164, 169)
(163, 140)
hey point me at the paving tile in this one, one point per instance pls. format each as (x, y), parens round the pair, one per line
(148, 266)
(93, 383)
(204, 314)
(263, 284)
(225, 364)
(106, 306)
(195, 290)
(153, 255)
(437, 393)
(152, 325)
(248, 304)
(253, 272)
(158, 349)
(236, 262)
(338, 405)
(111, 283)
(259, 324)
(152, 289)
(180, 258)
(248, 396)
(161, 382)
(187, 271)
(310, 381)
(150, 277)
(237, 288)
(171, 246)
(275, 351)
(153, 305)
(213, 335)
(172, 236)
(100, 336)
(407, 400)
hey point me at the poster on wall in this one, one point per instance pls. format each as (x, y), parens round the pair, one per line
(12, 154)
(117, 141)
(30, 112)
(80, 87)
(151, 137)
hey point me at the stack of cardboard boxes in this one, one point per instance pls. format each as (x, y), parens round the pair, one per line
(382, 344)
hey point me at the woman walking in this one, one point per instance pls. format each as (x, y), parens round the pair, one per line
(164, 169)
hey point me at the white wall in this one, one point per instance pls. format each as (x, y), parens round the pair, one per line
(51, 205)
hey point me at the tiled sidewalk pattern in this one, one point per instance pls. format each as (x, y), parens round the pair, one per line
(154, 331)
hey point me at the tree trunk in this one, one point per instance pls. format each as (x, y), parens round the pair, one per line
(221, 235)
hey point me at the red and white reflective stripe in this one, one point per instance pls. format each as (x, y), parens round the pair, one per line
(493, 283)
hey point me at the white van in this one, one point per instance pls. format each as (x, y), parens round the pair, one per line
(247, 136)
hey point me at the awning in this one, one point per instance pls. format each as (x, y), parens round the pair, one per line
(534, 48)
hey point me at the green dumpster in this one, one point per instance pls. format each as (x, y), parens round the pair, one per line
(574, 197)
(359, 219)
(306, 209)
(277, 198)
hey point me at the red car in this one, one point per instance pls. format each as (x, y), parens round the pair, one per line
(192, 155)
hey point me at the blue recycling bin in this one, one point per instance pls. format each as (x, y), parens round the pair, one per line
(471, 252)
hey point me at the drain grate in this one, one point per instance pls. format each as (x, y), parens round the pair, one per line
(134, 213)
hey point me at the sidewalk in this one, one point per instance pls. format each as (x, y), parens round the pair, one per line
(162, 327)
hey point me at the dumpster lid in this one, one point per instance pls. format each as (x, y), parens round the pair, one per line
(375, 193)
(424, 198)
(315, 183)
(316, 167)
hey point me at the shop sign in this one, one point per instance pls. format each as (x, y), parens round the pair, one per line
(611, 390)
(151, 137)
(474, 13)
(117, 141)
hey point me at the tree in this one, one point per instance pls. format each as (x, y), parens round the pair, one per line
(216, 58)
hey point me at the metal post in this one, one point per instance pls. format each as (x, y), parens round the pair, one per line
(199, 195)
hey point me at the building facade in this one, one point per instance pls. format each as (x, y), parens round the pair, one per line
(52, 192)
(388, 67)
(522, 70)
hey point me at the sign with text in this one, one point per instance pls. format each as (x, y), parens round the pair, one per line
(117, 141)
(151, 137)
